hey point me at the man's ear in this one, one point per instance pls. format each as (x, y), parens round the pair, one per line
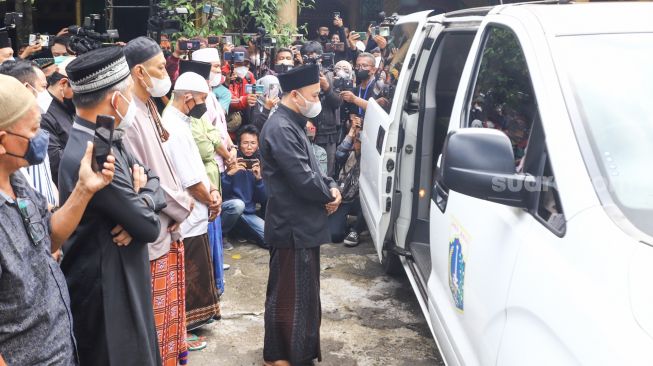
(2, 147)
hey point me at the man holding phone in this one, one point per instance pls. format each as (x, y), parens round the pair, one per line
(106, 266)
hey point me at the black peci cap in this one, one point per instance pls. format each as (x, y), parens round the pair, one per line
(299, 77)
(203, 69)
(98, 69)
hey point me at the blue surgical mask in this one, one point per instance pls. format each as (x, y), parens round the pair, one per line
(60, 59)
(37, 147)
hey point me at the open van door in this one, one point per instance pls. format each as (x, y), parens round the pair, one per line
(377, 172)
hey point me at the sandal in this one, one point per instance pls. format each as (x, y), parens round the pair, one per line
(196, 346)
(190, 337)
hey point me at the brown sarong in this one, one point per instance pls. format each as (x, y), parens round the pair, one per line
(202, 300)
(168, 298)
(292, 307)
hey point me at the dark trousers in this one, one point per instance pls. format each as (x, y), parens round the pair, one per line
(338, 220)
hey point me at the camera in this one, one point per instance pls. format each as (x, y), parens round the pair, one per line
(328, 61)
(211, 10)
(381, 31)
(191, 45)
(213, 39)
(342, 84)
(166, 20)
(13, 19)
(334, 47)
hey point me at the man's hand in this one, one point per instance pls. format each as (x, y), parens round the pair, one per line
(235, 167)
(120, 236)
(94, 181)
(215, 207)
(324, 83)
(337, 199)
(30, 50)
(139, 176)
(233, 155)
(63, 32)
(271, 102)
(348, 96)
(228, 47)
(381, 41)
(353, 38)
(356, 125)
(174, 227)
(251, 100)
(256, 170)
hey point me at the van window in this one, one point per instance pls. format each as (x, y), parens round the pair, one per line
(397, 49)
(503, 96)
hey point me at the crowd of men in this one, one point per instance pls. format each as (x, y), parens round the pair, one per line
(116, 261)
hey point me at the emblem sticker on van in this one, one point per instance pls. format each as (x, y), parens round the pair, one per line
(457, 261)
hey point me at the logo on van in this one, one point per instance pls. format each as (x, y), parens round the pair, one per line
(457, 264)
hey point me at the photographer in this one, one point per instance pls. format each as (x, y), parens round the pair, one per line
(239, 78)
(367, 86)
(283, 61)
(322, 35)
(243, 188)
(328, 120)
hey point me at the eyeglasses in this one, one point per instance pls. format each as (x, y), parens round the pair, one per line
(32, 220)
(363, 66)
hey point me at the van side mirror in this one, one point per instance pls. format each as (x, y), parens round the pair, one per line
(479, 162)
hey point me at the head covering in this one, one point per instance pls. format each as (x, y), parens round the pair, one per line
(5, 41)
(190, 81)
(140, 50)
(240, 49)
(44, 62)
(346, 67)
(98, 69)
(15, 101)
(209, 55)
(203, 69)
(268, 81)
(300, 77)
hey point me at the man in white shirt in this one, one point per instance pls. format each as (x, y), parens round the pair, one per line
(190, 94)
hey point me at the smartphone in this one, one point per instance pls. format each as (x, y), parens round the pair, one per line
(384, 31)
(213, 39)
(254, 89)
(40, 39)
(281, 69)
(104, 126)
(329, 47)
(338, 47)
(336, 14)
(192, 45)
(362, 36)
(249, 163)
(228, 56)
(227, 39)
(239, 56)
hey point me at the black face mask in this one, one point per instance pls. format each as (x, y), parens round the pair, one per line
(324, 38)
(362, 75)
(69, 105)
(197, 111)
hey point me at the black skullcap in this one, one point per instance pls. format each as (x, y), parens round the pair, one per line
(139, 50)
(203, 69)
(5, 41)
(299, 77)
(98, 69)
(44, 62)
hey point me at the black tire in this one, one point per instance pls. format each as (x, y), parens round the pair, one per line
(391, 263)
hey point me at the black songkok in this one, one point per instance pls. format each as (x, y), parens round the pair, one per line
(299, 77)
(98, 69)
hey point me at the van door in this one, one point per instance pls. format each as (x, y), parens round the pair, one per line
(474, 242)
(380, 135)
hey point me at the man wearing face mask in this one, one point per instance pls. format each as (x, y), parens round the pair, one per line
(106, 260)
(38, 175)
(282, 62)
(6, 51)
(239, 78)
(145, 140)
(366, 86)
(59, 118)
(300, 198)
(190, 93)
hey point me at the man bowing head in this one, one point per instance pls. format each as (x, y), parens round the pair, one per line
(300, 198)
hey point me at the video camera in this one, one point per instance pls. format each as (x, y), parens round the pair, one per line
(342, 84)
(87, 38)
(326, 61)
(388, 21)
(12, 20)
(165, 20)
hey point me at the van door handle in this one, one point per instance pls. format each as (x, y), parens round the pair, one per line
(439, 196)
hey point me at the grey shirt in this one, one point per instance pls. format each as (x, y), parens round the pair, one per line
(35, 321)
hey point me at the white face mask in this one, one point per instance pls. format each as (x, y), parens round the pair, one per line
(216, 79)
(160, 87)
(241, 71)
(311, 109)
(43, 99)
(127, 120)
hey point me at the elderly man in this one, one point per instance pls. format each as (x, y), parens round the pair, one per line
(106, 261)
(39, 175)
(190, 93)
(145, 140)
(6, 52)
(59, 117)
(36, 307)
(300, 197)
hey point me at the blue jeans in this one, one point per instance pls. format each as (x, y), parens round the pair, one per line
(231, 212)
(235, 220)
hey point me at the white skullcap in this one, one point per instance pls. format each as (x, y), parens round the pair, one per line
(190, 81)
(209, 55)
(15, 101)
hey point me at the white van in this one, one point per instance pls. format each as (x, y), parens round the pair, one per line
(513, 181)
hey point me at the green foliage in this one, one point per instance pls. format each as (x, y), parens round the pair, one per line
(238, 16)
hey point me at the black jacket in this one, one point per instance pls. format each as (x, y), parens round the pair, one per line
(296, 216)
(109, 285)
(57, 121)
(328, 121)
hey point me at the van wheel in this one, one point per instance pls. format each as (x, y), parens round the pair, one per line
(391, 263)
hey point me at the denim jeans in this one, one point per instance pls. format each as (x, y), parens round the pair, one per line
(338, 220)
(231, 212)
(234, 220)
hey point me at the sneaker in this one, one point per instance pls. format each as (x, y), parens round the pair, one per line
(226, 266)
(351, 240)
(226, 245)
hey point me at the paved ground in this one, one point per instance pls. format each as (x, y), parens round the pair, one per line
(368, 318)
